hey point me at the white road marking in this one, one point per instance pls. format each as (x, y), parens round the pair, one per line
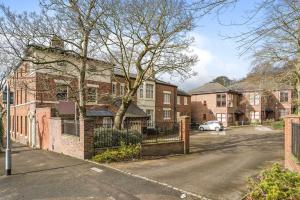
(96, 169)
(151, 180)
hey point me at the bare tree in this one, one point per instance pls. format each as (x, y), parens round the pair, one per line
(72, 25)
(273, 37)
(146, 37)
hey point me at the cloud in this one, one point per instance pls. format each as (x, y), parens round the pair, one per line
(216, 57)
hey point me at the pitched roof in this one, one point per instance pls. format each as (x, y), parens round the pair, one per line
(119, 72)
(251, 86)
(209, 88)
(132, 111)
(182, 93)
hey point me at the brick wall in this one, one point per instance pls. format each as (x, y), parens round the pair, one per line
(159, 102)
(289, 161)
(184, 110)
(67, 144)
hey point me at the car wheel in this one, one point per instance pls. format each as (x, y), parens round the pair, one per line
(201, 129)
(217, 129)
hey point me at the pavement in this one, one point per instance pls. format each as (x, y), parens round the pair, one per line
(38, 174)
(219, 164)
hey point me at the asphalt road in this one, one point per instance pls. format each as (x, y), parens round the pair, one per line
(219, 164)
(45, 175)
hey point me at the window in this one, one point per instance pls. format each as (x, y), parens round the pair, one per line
(141, 91)
(167, 113)
(254, 115)
(92, 95)
(230, 100)
(221, 100)
(185, 101)
(17, 124)
(221, 117)
(26, 124)
(122, 89)
(167, 97)
(21, 127)
(150, 114)
(254, 98)
(25, 94)
(204, 117)
(149, 91)
(284, 96)
(21, 96)
(61, 92)
(178, 100)
(204, 103)
(113, 88)
(92, 68)
(178, 116)
(107, 122)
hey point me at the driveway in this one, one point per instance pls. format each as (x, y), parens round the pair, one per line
(39, 174)
(219, 163)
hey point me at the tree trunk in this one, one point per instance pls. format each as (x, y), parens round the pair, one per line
(82, 74)
(121, 113)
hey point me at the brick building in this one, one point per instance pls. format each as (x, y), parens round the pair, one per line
(240, 103)
(183, 104)
(43, 92)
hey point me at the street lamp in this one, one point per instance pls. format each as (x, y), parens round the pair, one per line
(7, 99)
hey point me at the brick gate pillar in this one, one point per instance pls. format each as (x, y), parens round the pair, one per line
(289, 160)
(86, 129)
(184, 133)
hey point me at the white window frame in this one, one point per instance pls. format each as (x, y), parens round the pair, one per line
(185, 101)
(149, 92)
(178, 100)
(167, 113)
(61, 84)
(167, 94)
(141, 91)
(122, 89)
(221, 117)
(96, 95)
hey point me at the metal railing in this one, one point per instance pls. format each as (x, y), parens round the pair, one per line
(135, 132)
(296, 140)
(69, 127)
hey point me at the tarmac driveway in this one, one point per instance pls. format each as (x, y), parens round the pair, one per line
(219, 163)
(43, 175)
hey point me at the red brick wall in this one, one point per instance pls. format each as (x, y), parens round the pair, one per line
(289, 161)
(185, 110)
(159, 101)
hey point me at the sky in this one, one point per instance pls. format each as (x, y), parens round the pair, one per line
(217, 55)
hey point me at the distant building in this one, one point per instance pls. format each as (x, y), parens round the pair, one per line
(240, 103)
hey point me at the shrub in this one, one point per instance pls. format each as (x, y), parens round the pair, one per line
(275, 183)
(112, 138)
(125, 152)
(278, 125)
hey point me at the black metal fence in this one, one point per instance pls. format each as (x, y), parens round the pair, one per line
(70, 127)
(296, 140)
(135, 132)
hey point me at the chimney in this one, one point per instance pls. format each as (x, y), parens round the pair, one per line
(56, 41)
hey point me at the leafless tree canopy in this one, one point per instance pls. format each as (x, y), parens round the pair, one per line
(143, 36)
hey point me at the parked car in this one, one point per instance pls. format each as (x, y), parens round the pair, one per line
(211, 126)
